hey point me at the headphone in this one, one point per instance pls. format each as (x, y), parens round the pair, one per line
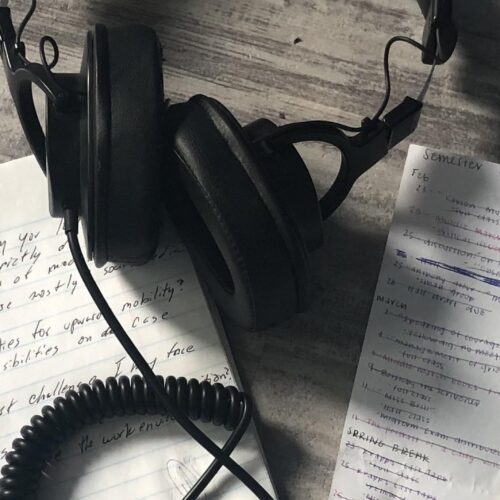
(241, 197)
(115, 153)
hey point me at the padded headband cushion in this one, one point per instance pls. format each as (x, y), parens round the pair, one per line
(128, 134)
(241, 240)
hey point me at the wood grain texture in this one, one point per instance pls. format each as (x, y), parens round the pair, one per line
(243, 53)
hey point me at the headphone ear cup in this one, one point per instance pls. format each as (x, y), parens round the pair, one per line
(243, 242)
(121, 175)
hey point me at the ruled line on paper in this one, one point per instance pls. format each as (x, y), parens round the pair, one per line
(158, 363)
(196, 330)
(173, 442)
(92, 304)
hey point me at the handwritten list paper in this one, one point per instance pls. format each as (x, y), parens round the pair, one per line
(422, 423)
(52, 338)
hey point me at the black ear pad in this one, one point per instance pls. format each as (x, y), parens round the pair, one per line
(287, 174)
(125, 143)
(242, 240)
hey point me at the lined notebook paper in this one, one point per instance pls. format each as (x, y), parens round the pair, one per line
(52, 338)
(422, 423)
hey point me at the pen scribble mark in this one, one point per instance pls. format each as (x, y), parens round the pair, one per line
(460, 270)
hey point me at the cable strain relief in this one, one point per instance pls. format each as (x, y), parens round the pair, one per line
(368, 124)
(70, 221)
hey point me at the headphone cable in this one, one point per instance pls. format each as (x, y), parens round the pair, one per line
(221, 456)
(387, 73)
(388, 85)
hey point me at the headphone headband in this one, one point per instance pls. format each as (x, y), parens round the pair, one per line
(22, 74)
(439, 42)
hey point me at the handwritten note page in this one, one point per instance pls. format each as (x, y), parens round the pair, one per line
(423, 419)
(53, 338)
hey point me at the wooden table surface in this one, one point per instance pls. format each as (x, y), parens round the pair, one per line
(292, 60)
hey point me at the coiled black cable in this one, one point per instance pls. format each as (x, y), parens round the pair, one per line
(71, 415)
(117, 397)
